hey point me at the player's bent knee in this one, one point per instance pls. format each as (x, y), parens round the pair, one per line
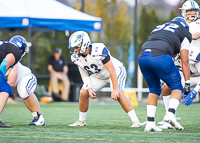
(121, 94)
(84, 93)
(23, 94)
(165, 90)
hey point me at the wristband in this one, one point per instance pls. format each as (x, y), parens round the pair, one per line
(187, 81)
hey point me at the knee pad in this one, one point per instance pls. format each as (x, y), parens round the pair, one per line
(23, 93)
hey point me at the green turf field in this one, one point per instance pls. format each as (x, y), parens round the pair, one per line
(105, 123)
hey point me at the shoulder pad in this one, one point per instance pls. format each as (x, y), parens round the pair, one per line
(97, 49)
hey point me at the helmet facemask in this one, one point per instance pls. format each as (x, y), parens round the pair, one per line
(75, 54)
(80, 40)
(187, 17)
(190, 5)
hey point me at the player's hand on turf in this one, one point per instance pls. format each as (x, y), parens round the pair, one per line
(187, 88)
(92, 94)
(115, 94)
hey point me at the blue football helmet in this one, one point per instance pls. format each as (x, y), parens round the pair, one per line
(182, 21)
(20, 42)
(79, 39)
(188, 6)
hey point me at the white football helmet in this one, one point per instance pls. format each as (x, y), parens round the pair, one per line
(79, 39)
(189, 5)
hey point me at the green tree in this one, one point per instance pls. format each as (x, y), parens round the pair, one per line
(148, 21)
(172, 15)
(116, 25)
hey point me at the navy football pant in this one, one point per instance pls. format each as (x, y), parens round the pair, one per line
(4, 86)
(159, 67)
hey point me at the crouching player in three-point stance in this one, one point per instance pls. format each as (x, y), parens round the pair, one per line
(26, 82)
(10, 53)
(98, 68)
(155, 61)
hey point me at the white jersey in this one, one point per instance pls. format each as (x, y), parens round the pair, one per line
(194, 49)
(93, 62)
(194, 66)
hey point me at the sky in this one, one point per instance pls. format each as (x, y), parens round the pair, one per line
(171, 2)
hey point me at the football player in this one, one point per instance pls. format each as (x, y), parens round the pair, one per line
(156, 63)
(10, 53)
(26, 82)
(190, 12)
(98, 68)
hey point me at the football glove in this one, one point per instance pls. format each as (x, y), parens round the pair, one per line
(190, 97)
(187, 88)
(183, 96)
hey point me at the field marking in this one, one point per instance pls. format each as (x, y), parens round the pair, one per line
(96, 131)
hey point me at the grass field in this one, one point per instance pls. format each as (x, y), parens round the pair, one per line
(106, 122)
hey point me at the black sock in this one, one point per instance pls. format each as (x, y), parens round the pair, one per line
(172, 110)
(151, 119)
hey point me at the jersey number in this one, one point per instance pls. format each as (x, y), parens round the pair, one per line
(171, 27)
(93, 66)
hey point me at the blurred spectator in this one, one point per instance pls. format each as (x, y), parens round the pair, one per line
(58, 70)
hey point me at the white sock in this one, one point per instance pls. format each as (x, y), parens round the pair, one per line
(197, 87)
(133, 116)
(82, 116)
(166, 102)
(151, 111)
(34, 114)
(173, 103)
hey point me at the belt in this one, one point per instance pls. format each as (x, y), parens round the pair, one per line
(148, 50)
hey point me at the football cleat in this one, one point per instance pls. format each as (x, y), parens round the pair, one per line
(78, 123)
(4, 125)
(136, 124)
(38, 119)
(163, 122)
(170, 118)
(166, 126)
(151, 127)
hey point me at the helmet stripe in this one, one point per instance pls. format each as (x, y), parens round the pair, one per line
(192, 4)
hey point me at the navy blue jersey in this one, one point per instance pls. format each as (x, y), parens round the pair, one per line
(166, 39)
(7, 48)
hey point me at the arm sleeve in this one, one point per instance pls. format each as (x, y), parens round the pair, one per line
(105, 55)
(185, 44)
(85, 77)
(11, 48)
(107, 58)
